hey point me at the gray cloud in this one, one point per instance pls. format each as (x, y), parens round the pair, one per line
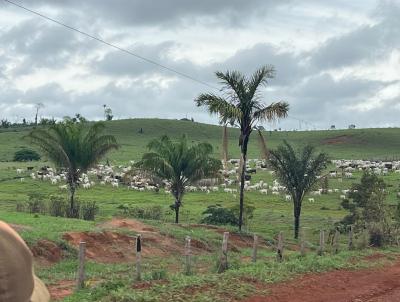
(133, 88)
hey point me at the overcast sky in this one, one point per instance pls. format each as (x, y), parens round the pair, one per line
(337, 62)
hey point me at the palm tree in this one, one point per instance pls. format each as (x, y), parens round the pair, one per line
(74, 146)
(241, 104)
(298, 171)
(179, 163)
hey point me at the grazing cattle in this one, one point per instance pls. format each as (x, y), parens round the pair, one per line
(63, 187)
(115, 184)
(311, 200)
(288, 197)
(251, 171)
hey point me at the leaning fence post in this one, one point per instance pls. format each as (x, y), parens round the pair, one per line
(255, 246)
(350, 245)
(188, 252)
(279, 249)
(224, 256)
(321, 242)
(138, 257)
(302, 243)
(81, 269)
(336, 242)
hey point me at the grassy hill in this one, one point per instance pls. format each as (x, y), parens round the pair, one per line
(352, 144)
(110, 270)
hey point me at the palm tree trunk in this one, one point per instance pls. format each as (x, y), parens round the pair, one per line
(177, 207)
(225, 146)
(71, 213)
(242, 179)
(297, 210)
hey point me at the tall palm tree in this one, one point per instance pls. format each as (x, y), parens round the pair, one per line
(298, 171)
(74, 146)
(241, 104)
(179, 163)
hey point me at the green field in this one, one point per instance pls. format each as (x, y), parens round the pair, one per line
(382, 143)
(113, 282)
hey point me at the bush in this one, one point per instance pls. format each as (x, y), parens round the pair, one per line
(89, 210)
(75, 211)
(151, 213)
(36, 203)
(57, 206)
(26, 155)
(20, 207)
(218, 215)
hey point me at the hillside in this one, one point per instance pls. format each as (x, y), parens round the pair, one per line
(352, 144)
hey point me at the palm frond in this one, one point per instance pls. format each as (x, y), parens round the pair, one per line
(259, 78)
(271, 112)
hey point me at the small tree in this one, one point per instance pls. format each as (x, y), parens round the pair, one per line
(180, 164)
(298, 171)
(75, 146)
(368, 211)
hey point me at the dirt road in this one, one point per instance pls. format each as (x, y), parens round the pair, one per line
(371, 285)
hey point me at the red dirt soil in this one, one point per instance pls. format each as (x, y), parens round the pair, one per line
(46, 252)
(110, 246)
(341, 139)
(372, 285)
(61, 290)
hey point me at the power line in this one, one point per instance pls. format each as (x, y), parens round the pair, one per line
(112, 45)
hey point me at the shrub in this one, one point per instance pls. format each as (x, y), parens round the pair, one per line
(218, 215)
(151, 213)
(57, 206)
(26, 155)
(20, 207)
(36, 203)
(75, 211)
(89, 210)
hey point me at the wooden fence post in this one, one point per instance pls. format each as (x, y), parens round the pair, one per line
(336, 242)
(279, 249)
(188, 255)
(223, 265)
(81, 269)
(139, 257)
(302, 243)
(321, 243)
(350, 245)
(255, 246)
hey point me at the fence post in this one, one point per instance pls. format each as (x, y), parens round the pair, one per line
(350, 245)
(336, 242)
(188, 254)
(279, 250)
(81, 269)
(255, 246)
(302, 243)
(224, 256)
(139, 257)
(321, 243)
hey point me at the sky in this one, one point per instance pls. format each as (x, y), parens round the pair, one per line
(337, 62)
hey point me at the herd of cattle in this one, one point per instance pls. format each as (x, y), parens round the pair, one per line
(130, 178)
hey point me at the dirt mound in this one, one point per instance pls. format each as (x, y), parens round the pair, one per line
(235, 241)
(106, 247)
(61, 290)
(46, 252)
(341, 139)
(372, 285)
(110, 246)
(130, 224)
